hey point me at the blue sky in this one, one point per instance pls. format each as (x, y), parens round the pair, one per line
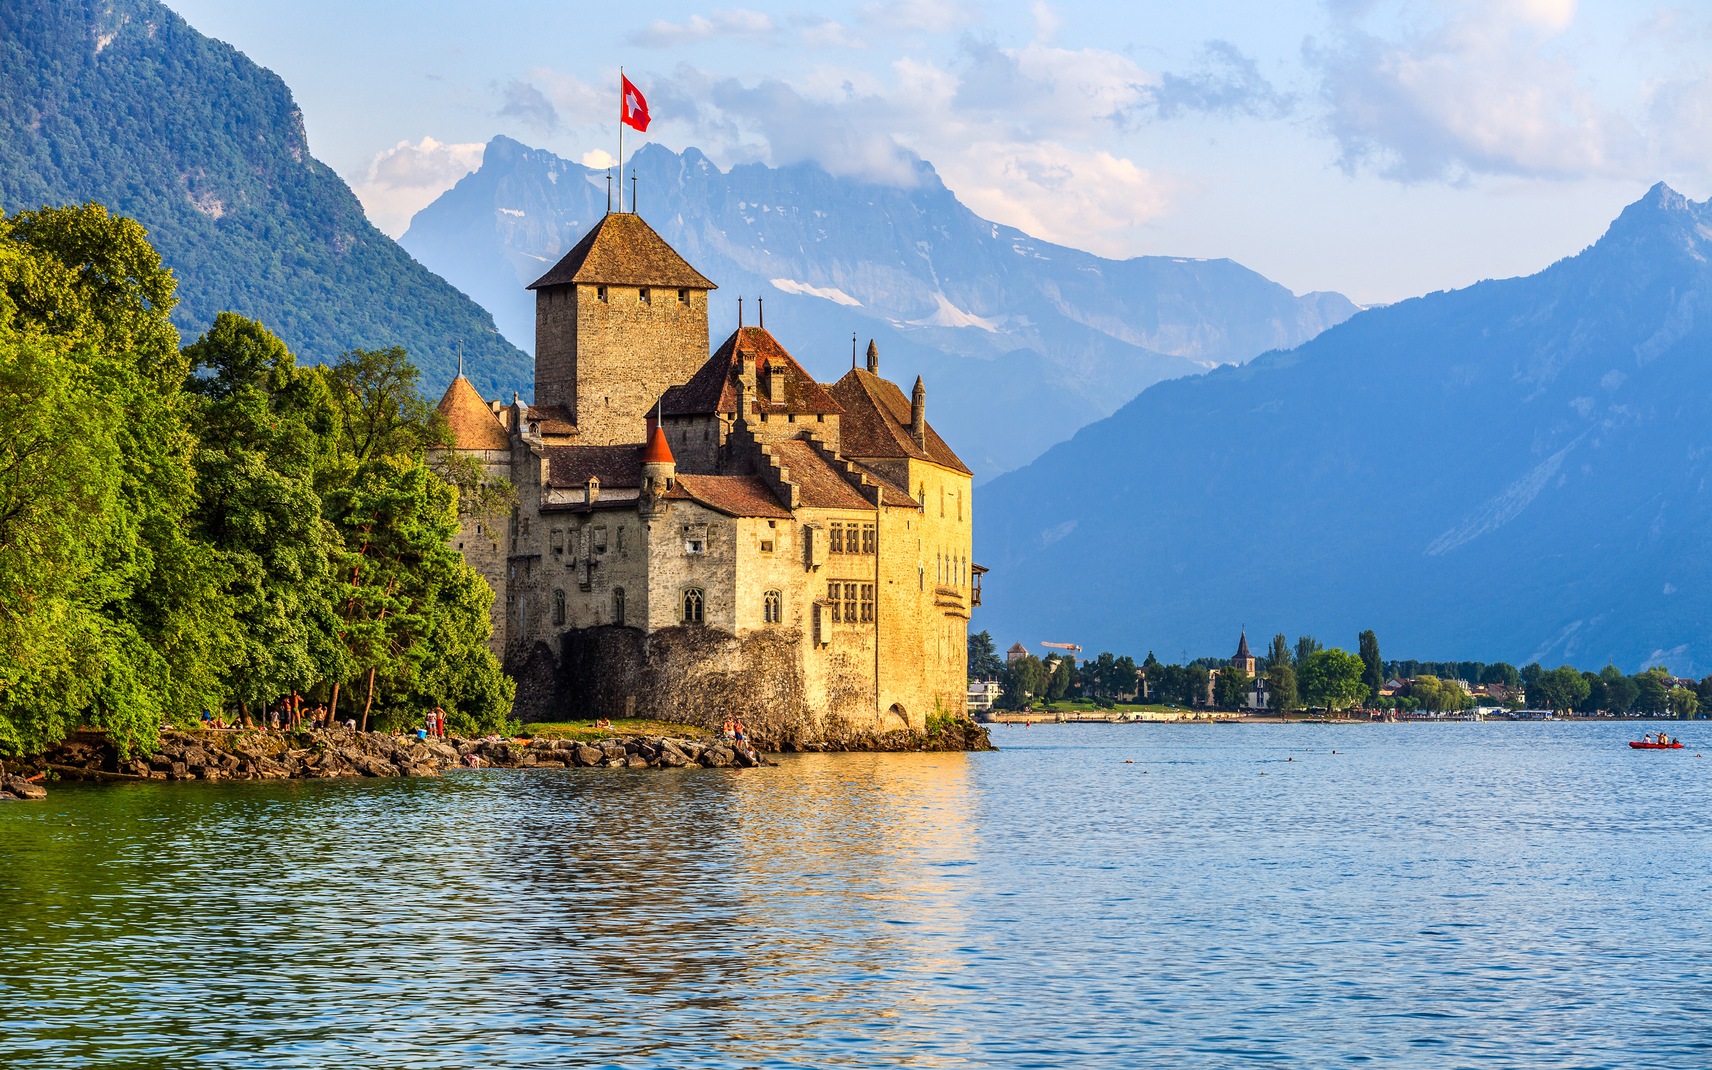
(1383, 148)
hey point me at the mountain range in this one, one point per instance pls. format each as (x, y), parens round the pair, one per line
(123, 103)
(1021, 341)
(1517, 470)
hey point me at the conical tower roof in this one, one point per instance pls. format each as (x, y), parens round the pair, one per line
(474, 426)
(658, 450)
(1242, 653)
(622, 250)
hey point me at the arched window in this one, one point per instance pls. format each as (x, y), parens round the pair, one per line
(618, 603)
(558, 609)
(693, 603)
(772, 606)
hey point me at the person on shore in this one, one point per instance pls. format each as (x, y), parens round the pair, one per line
(741, 735)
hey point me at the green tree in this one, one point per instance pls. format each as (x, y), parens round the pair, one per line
(1501, 673)
(1684, 703)
(1305, 646)
(1060, 677)
(1652, 692)
(1021, 681)
(1620, 691)
(1373, 668)
(1232, 687)
(1331, 678)
(1562, 688)
(94, 425)
(1280, 676)
(267, 428)
(984, 662)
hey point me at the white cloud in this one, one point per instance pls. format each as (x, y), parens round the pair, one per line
(598, 159)
(1090, 199)
(407, 177)
(1473, 88)
(931, 16)
(739, 22)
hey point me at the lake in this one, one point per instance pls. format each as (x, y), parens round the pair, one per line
(1454, 895)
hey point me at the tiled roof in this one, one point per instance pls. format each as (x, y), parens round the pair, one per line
(731, 495)
(623, 250)
(614, 466)
(552, 419)
(894, 494)
(876, 422)
(658, 450)
(713, 388)
(822, 486)
(473, 424)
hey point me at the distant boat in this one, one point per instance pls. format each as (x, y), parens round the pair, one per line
(1640, 745)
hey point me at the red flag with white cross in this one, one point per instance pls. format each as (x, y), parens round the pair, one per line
(633, 109)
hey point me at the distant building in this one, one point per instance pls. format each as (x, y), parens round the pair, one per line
(1242, 659)
(983, 694)
(1016, 653)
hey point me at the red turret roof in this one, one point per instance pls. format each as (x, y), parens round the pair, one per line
(658, 450)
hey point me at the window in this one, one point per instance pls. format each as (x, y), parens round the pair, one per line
(683, 297)
(621, 538)
(869, 539)
(645, 295)
(558, 540)
(850, 603)
(833, 590)
(693, 604)
(600, 293)
(766, 546)
(618, 603)
(959, 504)
(600, 539)
(558, 609)
(771, 604)
(835, 538)
(867, 603)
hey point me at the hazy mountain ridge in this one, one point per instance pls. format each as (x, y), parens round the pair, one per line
(122, 102)
(1022, 340)
(1515, 470)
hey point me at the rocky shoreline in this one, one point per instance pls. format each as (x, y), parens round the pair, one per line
(255, 754)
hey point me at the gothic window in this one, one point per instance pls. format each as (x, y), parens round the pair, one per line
(835, 538)
(850, 603)
(693, 605)
(618, 603)
(867, 603)
(771, 605)
(833, 590)
(869, 538)
(558, 609)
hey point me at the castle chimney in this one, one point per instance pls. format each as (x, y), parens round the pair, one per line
(873, 358)
(774, 388)
(918, 413)
(745, 384)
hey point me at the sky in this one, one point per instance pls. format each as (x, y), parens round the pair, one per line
(1380, 148)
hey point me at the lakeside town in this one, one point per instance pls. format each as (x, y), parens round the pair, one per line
(1307, 680)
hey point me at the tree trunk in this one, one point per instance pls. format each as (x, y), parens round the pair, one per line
(369, 701)
(333, 707)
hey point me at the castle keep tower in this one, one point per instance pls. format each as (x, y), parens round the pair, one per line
(617, 321)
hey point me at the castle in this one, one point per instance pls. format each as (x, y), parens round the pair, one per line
(696, 536)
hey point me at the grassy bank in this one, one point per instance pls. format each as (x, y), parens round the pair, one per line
(586, 732)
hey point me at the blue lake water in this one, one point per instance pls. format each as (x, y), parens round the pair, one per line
(1497, 895)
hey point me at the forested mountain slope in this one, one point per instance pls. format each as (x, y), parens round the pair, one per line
(122, 102)
(1517, 470)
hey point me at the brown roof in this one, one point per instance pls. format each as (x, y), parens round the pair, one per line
(731, 495)
(473, 424)
(822, 486)
(713, 388)
(614, 466)
(876, 422)
(1242, 653)
(552, 419)
(894, 494)
(623, 250)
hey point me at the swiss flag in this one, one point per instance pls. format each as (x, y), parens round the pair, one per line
(633, 109)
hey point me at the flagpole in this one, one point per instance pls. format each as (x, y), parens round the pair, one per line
(621, 140)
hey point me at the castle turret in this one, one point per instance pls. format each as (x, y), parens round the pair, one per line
(617, 321)
(918, 414)
(659, 470)
(873, 358)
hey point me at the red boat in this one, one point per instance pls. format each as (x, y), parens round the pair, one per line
(1673, 745)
